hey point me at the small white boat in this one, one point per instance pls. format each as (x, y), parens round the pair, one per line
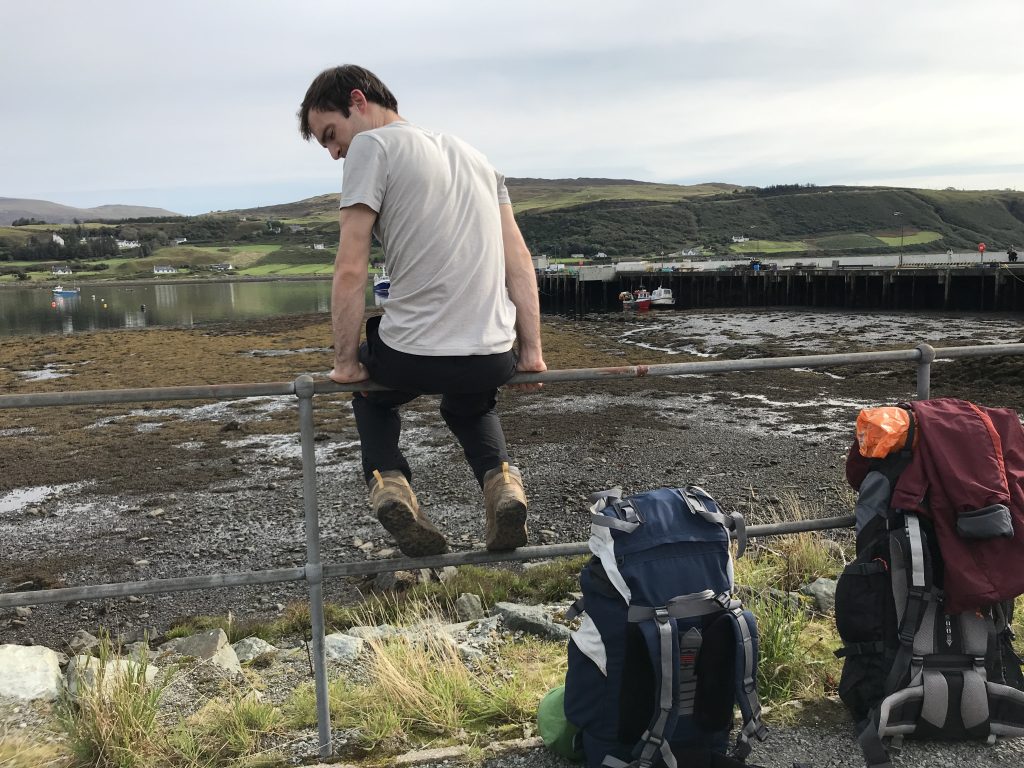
(60, 290)
(381, 282)
(662, 297)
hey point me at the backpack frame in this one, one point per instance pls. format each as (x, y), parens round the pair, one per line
(910, 669)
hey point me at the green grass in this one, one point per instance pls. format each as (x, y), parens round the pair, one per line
(842, 242)
(768, 246)
(418, 693)
(911, 239)
(545, 583)
(16, 751)
(226, 731)
(113, 724)
(528, 196)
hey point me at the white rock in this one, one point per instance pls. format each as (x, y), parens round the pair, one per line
(29, 672)
(342, 647)
(84, 673)
(251, 647)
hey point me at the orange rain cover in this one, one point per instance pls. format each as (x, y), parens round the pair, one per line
(880, 431)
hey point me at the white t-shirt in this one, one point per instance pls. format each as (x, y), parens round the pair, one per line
(437, 202)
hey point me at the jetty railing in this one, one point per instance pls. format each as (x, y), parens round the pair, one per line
(315, 571)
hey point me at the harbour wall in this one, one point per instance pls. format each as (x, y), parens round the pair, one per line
(995, 287)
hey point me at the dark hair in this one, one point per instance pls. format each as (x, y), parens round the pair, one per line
(330, 92)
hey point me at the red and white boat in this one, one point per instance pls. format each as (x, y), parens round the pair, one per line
(637, 301)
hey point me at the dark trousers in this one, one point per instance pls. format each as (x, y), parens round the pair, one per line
(468, 386)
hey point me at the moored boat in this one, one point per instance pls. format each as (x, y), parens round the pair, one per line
(381, 282)
(662, 297)
(59, 290)
(638, 301)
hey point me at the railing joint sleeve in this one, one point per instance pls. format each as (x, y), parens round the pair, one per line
(304, 386)
(314, 573)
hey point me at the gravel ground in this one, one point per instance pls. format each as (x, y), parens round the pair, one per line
(758, 442)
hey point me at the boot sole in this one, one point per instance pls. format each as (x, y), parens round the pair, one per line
(509, 527)
(415, 536)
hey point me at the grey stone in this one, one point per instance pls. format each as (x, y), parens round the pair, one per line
(211, 646)
(342, 647)
(204, 645)
(383, 632)
(82, 642)
(251, 647)
(531, 619)
(824, 593)
(470, 652)
(394, 581)
(469, 607)
(29, 672)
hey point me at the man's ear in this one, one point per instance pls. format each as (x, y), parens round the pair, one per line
(357, 99)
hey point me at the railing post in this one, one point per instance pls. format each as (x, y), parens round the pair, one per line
(924, 370)
(304, 388)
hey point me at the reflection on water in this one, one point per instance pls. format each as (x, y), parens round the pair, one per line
(107, 305)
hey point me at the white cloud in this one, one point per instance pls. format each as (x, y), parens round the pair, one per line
(125, 97)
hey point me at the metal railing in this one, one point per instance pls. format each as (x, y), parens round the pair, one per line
(314, 572)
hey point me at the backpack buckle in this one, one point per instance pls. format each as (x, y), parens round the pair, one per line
(724, 599)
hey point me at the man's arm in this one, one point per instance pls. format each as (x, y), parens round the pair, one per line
(522, 289)
(348, 291)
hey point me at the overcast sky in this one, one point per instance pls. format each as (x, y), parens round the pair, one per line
(190, 104)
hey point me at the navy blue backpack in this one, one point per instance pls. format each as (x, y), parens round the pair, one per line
(663, 652)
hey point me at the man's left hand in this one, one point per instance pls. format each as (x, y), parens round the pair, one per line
(349, 374)
(530, 364)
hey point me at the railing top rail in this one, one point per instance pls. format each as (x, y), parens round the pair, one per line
(325, 386)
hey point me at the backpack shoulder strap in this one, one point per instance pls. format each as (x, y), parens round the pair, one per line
(745, 629)
(913, 591)
(661, 633)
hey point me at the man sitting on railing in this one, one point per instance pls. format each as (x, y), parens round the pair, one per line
(462, 291)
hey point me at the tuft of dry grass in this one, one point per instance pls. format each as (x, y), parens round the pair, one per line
(419, 690)
(19, 752)
(113, 723)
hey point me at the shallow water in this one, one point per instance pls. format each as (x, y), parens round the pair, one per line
(707, 333)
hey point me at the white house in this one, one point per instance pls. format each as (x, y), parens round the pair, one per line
(740, 239)
(180, 240)
(60, 271)
(57, 238)
(126, 245)
(165, 271)
(318, 246)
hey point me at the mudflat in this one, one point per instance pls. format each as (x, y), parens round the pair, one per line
(104, 494)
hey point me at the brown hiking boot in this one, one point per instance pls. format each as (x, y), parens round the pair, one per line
(505, 501)
(396, 508)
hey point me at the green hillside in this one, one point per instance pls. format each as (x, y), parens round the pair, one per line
(561, 217)
(815, 219)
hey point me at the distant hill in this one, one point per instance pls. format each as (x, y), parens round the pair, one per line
(627, 218)
(12, 208)
(527, 195)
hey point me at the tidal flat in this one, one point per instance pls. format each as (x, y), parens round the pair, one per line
(99, 494)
